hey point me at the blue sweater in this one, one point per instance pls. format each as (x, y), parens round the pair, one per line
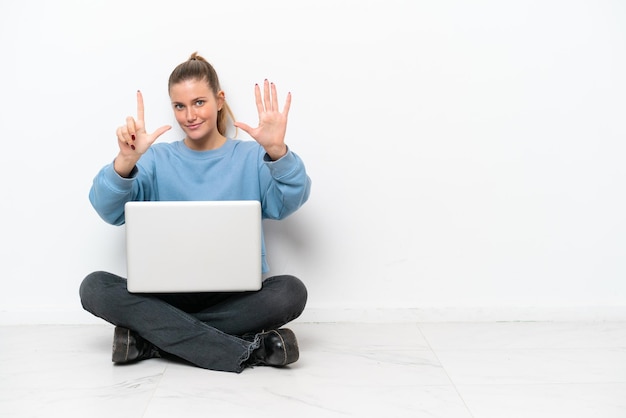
(238, 170)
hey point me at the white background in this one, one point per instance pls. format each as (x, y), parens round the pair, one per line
(465, 155)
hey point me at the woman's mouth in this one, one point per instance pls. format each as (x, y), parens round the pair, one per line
(194, 126)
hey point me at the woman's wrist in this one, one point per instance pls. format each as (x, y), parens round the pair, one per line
(124, 164)
(276, 153)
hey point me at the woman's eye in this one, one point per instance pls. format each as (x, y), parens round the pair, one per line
(178, 106)
(199, 102)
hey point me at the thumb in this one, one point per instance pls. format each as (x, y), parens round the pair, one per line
(246, 128)
(160, 131)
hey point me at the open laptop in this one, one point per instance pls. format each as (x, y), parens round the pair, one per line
(193, 246)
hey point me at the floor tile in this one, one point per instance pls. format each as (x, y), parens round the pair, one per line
(355, 336)
(444, 336)
(546, 401)
(264, 392)
(58, 371)
(534, 366)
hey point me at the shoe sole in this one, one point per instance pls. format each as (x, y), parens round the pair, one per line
(292, 351)
(121, 345)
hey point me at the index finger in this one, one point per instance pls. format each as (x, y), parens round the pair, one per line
(139, 106)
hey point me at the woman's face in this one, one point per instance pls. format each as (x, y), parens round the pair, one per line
(195, 108)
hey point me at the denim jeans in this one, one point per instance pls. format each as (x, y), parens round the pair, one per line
(210, 330)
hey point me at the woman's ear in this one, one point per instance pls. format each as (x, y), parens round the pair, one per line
(221, 99)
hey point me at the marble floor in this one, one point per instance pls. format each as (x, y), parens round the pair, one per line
(480, 370)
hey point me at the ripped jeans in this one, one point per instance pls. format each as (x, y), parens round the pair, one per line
(209, 330)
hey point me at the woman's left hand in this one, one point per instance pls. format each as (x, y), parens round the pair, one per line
(270, 133)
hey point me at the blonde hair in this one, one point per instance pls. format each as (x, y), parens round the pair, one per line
(197, 68)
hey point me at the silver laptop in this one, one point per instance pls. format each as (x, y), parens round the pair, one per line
(199, 246)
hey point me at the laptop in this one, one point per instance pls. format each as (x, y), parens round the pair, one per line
(193, 246)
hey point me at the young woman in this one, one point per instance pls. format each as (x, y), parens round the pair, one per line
(218, 331)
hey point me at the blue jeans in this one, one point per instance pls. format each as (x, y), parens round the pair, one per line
(210, 330)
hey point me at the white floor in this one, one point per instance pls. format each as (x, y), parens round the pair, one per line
(480, 370)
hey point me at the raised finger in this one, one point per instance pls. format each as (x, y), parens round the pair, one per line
(287, 104)
(257, 96)
(274, 97)
(266, 95)
(140, 115)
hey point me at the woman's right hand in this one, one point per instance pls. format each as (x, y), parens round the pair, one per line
(133, 140)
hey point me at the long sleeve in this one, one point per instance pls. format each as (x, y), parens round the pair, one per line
(288, 189)
(110, 192)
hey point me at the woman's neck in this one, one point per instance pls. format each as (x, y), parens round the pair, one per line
(205, 144)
